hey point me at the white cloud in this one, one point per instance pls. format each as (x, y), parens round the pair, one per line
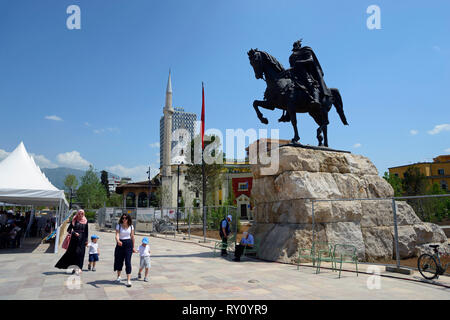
(413, 132)
(42, 161)
(154, 145)
(98, 131)
(72, 160)
(39, 159)
(138, 173)
(437, 48)
(357, 145)
(54, 118)
(439, 128)
(3, 154)
(447, 150)
(87, 124)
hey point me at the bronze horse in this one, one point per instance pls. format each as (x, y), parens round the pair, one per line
(284, 93)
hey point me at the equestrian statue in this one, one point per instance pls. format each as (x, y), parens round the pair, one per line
(300, 89)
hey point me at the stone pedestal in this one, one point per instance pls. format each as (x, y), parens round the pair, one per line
(283, 208)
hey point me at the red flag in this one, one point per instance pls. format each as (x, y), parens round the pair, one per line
(203, 117)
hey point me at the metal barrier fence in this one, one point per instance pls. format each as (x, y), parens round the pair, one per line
(189, 220)
(393, 230)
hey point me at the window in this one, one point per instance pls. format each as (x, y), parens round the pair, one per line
(220, 202)
(243, 186)
(441, 172)
(396, 174)
(197, 194)
(444, 185)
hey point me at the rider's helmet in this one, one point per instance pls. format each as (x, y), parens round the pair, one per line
(297, 45)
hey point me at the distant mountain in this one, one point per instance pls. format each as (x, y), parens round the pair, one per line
(58, 175)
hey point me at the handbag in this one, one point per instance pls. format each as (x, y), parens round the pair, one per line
(66, 241)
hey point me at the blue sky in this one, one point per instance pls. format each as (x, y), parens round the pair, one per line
(95, 95)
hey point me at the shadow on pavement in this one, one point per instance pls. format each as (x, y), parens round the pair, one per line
(198, 255)
(102, 282)
(52, 273)
(27, 245)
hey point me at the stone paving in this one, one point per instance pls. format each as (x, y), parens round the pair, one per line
(185, 270)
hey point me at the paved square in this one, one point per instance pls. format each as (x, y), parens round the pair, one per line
(187, 270)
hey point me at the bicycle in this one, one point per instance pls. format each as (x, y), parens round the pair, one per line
(164, 225)
(430, 266)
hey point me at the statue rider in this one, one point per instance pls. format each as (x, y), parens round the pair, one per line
(307, 71)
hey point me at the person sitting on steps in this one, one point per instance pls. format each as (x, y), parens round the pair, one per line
(247, 241)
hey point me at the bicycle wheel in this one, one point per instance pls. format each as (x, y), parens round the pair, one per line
(428, 266)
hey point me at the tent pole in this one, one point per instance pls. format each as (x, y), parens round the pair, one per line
(57, 227)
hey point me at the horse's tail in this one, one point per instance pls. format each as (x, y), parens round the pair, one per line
(339, 105)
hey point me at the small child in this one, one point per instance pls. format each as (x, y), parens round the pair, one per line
(144, 252)
(93, 252)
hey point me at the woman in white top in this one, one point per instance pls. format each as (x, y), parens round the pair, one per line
(125, 247)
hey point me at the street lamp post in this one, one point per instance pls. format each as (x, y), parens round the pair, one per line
(178, 194)
(149, 187)
(179, 160)
(71, 195)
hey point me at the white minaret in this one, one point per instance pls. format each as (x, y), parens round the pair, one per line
(167, 148)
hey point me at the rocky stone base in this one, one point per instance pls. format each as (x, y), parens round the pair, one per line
(283, 210)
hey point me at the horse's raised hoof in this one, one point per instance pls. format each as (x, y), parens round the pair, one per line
(295, 141)
(285, 118)
(264, 120)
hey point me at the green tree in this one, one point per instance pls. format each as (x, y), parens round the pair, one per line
(395, 182)
(182, 202)
(436, 209)
(414, 182)
(71, 182)
(114, 200)
(161, 196)
(91, 193)
(104, 182)
(213, 172)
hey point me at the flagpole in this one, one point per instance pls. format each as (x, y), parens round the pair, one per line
(204, 198)
(203, 166)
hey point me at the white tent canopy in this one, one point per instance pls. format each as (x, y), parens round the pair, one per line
(23, 183)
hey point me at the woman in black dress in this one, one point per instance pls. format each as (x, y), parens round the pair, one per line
(74, 255)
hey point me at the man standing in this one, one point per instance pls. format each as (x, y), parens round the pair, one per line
(307, 71)
(247, 241)
(225, 231)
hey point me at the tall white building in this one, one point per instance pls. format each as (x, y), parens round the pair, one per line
(173, 119)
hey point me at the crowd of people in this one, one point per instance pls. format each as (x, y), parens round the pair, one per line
(77, 242)
(15, 225)
(77, 234)
(12, 228)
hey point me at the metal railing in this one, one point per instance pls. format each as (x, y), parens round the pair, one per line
(189, 220)
(412, 232)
